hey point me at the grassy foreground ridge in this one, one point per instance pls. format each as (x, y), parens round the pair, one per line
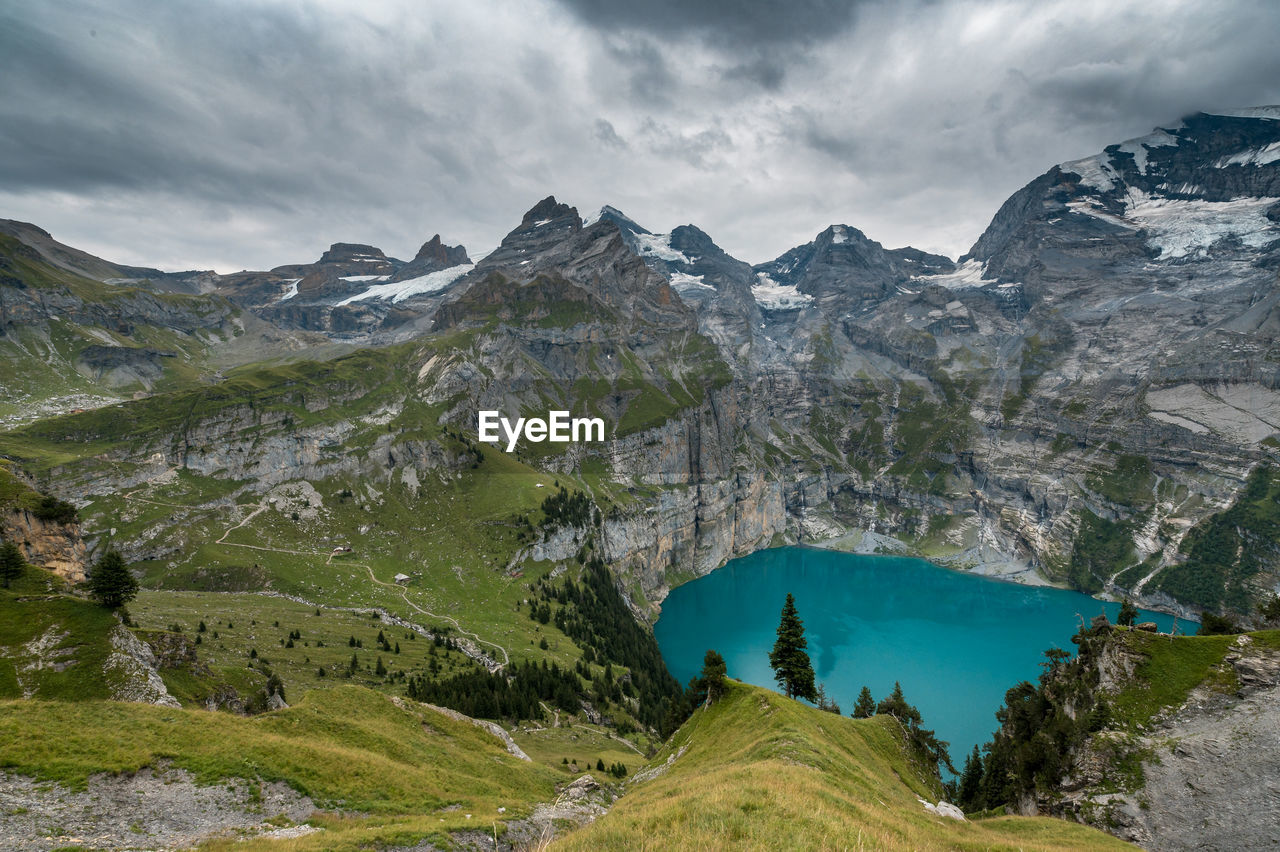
(759, 771)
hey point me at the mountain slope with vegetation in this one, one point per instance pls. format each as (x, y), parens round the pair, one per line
(758, 770)
(1166, 741)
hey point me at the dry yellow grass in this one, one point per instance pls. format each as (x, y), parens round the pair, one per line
(760, 771)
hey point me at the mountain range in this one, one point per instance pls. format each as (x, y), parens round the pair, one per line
(1081, 398)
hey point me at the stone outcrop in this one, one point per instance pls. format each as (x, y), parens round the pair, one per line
(161, 808)
(133, 671)
(1208, 766)
(57, 547)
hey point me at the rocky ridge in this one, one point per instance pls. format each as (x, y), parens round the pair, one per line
(1199, 774)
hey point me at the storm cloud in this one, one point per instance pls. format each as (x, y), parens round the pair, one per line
(250, 134)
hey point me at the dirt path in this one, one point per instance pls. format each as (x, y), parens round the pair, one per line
(262, 507)
(404, 594)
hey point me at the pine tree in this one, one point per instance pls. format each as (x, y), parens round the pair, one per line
(1128, 614)
(380, 670)
(865, 707)
(110, 582)
(712, 677)
(970, 790)
(790, 662)
(11, 563)
(825, 703)
(896, 706)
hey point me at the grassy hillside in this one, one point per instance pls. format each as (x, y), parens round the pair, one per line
(51, 645)
(401, 772)
(759, 771)
(1172, 667)
(56, 316)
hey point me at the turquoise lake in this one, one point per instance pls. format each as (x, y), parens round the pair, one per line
(956, 641)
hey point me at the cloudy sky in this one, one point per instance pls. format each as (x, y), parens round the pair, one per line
(229, 135)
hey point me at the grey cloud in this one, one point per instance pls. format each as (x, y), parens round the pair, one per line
(726, 23)
(650, 79)
(701, 149)
(605, 133)
(232, 134)
(767, 72)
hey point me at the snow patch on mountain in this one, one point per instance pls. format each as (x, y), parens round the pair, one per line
(360, 279)
(1252, 157)
(1089, 206)
(292, 291)
(1095, 171)
(1181, 227)
(1138, 147)
(659, 246)
(771, 295)
(839, 234)
(966, 276)
(398, 291)
(1268, 112)
(684, 284)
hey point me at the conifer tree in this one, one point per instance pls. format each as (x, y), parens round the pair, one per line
(790, 662)
(713, 674)
(11, 563)
(1128, 614)
(970, 790)
(110, 582)
(896, 706)
(865, 707)
(825, 703)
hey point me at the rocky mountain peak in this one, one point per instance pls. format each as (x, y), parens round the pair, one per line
(436, 253)
(1206, 190)
(694, 241)
(343, 252)
(16, 228)
(548, 211)
(542, 238)
(625, 223)
(839, 258)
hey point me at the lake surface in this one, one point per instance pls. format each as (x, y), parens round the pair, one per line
(956, 641)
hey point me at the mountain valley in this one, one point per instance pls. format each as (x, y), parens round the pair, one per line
(1089, 398)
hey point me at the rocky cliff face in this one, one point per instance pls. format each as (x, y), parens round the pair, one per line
(50, 542)
(47, 544)
(1206, 766)
(1096, 369)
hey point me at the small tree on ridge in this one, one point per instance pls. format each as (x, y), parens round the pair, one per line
(12, 563)
(110, 582)
(713, 675)
(790, 662)
(865, 708)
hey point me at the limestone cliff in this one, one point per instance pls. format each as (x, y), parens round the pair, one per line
(47, 544)
(48, 533)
